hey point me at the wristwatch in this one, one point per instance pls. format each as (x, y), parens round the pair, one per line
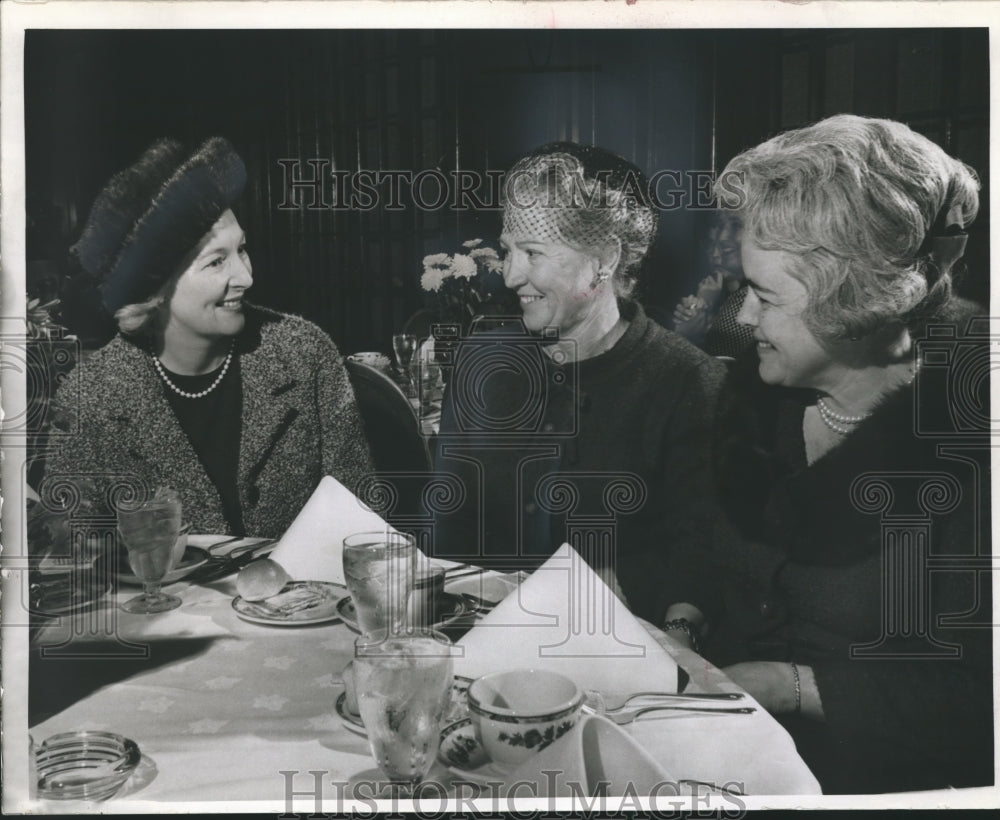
(685, 626)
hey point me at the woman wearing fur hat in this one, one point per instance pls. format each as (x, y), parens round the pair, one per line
(240, 409)
(854, 469)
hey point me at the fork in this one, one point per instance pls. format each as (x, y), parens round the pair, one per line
(624, 718)
(219, 566)
(614, 705)
(217, 544)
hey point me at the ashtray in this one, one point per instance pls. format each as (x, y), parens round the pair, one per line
(84, 765)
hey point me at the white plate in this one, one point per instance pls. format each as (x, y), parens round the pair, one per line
(207, 540)
(484, 589)
(192, 558)
(454, 608)
(318, 601)
(65, 595)
(459, 707)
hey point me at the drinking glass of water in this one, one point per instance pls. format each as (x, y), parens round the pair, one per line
(404, 689)
(378, 567)
(403, 346)
(149, 533)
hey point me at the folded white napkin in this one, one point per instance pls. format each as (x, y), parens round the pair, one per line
(594, 758)
(565, 619)
(312, 549)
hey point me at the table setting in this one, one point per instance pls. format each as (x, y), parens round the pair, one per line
(416, 370)
(343, 648)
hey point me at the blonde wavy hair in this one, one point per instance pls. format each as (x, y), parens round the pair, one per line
(141, 318)
(853, 201)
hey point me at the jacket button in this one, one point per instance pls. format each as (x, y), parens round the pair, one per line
(765, 608)
(253, 495)
(530, 508)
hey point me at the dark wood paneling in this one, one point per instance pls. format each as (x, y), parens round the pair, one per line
(459, 100)
(934, 80)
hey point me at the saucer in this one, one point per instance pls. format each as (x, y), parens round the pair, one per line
(66, 595)
(300, 603)
(462, 753)
(458, 710)
(351, 722)
(192, 558)
(453, 608)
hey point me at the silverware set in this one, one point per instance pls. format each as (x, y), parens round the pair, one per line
(480, 606)
(616, 710)
(219, 566)
(624, 718)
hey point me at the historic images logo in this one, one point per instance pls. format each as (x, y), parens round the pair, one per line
(314, 185)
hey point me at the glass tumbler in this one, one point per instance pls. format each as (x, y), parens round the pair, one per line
(404, 687)
(378, 568)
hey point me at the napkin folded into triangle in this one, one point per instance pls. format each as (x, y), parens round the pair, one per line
(565, 618)
(595, 758)
(312, 549)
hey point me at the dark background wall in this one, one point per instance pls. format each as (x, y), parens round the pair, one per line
(684, 101)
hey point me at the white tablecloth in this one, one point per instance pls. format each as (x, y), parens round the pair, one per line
(251, 702)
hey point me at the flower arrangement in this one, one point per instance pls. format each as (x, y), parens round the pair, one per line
(462, 286)
(40, 324)
(50, 352)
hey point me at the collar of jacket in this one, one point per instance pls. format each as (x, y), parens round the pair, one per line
(138, 404)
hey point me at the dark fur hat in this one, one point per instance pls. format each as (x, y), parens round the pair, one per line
(151, 215)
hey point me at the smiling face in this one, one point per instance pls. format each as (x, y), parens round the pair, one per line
(206, 305)
(723, 252)
(553, 283)
(790, 354)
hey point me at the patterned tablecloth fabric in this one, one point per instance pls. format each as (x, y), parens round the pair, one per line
(249, 714)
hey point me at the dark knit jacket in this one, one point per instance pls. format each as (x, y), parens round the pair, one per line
(615, 446)
(799, 576)
(299, 423)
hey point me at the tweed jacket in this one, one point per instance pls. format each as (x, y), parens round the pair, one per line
(299, 423)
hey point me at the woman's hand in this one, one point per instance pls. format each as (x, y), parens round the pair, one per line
(691, 317)
(710, 289)
(695, 623)
(773, 686)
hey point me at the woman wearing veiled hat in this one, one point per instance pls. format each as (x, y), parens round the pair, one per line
(240, 409)
(853, 464)
(585, 421)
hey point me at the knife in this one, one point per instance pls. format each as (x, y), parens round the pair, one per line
(221, 567)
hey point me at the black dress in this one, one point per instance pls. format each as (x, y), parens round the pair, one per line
(869, 565)
(610, 454)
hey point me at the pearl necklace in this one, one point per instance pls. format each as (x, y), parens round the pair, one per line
(836, 422)
(207, 390)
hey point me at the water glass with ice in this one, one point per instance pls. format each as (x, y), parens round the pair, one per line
(404, 689)
(378, 568)
(149, 533)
